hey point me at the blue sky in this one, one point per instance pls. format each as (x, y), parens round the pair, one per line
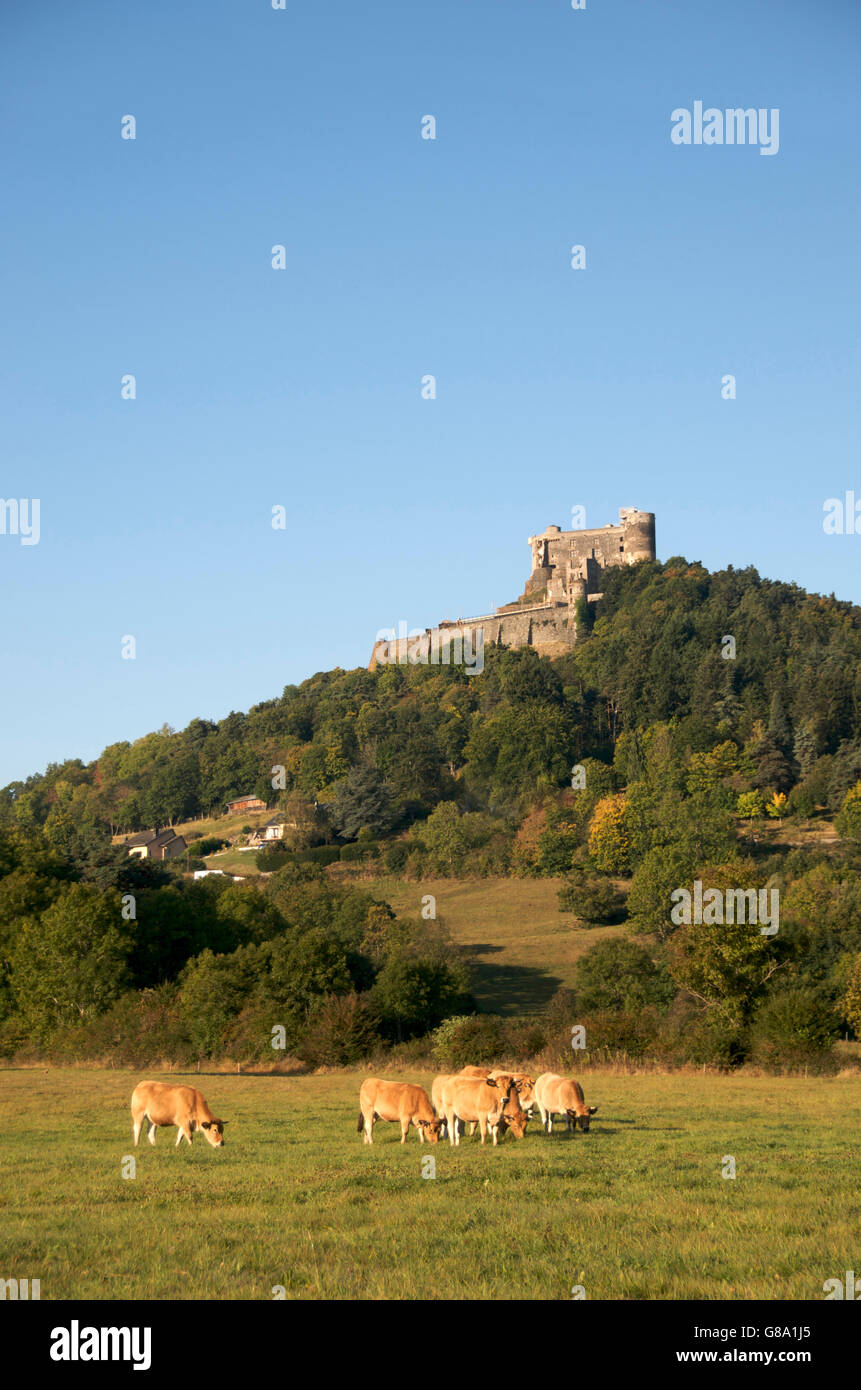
(301, 387)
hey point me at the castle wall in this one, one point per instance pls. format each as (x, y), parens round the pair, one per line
(566, 566)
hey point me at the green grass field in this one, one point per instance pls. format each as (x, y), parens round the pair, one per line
(637, 1209)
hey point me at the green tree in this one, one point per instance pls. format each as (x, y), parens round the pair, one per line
(620, 975)
(70, 964)
(414, 994)
(362, 801)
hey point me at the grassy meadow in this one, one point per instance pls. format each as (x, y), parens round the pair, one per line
(523, 947)
(637, 1209)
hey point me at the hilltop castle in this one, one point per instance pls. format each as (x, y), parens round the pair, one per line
(566, 570)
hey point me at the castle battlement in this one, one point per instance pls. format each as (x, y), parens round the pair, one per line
(566, 570)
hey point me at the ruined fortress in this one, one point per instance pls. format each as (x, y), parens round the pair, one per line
(566, 571)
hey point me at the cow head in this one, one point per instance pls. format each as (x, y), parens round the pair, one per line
(214, 1132)
(525, 1090)
(582, 1120)
(431, 1129)
(517, 1123)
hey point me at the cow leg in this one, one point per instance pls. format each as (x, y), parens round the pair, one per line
(471, 1128)
(369, 1129)
(549, 1121)
(151, 1129)
(482, 1124)
(136, 1129)
(405, 1128)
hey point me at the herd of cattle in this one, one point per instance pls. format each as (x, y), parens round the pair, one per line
(494, 1100)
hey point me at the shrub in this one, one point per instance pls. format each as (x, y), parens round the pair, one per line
(395, 857)
(209, 845)
(143, 1028)
(593, 900)
(358, 851)
(795, 1027)
(474, 1039)
(273, 858)
(689, 1034)
(611, 1031)
(321, 854)
(340, 1029)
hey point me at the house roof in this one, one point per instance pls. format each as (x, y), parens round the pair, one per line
(153, 838)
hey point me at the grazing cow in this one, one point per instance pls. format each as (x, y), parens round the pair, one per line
(437, 1101)
(514, 1117)
(397, 1101)
(161, 1104)
(557, 1095)
(471, 1098)
(525, 1088)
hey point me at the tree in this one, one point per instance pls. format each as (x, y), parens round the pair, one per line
(852, 998)
(609, 840)
(848, 822)
(750, 805)
(620, 975)
(213, 990)
(70, 964)
(415, 993)
(361, 802)
(663, 869)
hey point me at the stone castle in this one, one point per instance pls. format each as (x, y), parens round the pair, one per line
(566, 570)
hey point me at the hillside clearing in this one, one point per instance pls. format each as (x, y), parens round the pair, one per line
(525, 948)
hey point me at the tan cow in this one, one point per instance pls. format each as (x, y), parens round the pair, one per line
(559, 1095)
(471, 1098)
(397, 1101)
(525, 1089)
(437, 1100)
(482, 1072)
(158, 1104)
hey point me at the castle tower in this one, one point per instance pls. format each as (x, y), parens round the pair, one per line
(639, 534)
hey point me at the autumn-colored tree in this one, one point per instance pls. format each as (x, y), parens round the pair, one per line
(848, 822)
(609, 839)
(852, 998)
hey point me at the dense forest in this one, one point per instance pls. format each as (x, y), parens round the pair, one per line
(696, 707)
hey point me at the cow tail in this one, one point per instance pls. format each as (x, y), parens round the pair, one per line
(361, 1125)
